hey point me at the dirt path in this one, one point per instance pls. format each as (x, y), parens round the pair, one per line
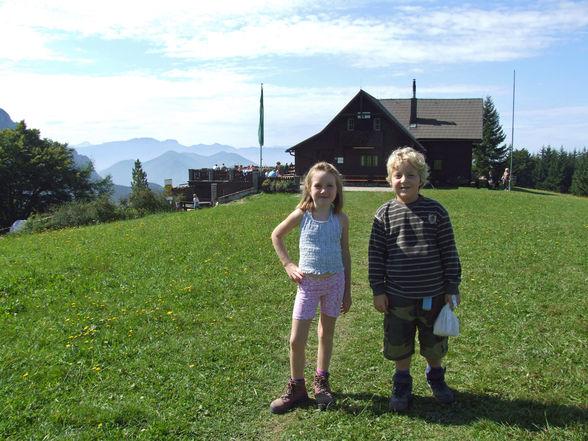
(346, 188)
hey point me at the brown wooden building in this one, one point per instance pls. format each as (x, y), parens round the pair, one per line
(360, 138)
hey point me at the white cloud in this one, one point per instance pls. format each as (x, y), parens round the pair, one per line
(200, 107)
(234, 40)
(23, 43)
(256, 28)
(443, 36)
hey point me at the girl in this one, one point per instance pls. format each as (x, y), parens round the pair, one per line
(322, 274)
(505, 178)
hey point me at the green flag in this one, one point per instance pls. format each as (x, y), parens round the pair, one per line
(260, 130)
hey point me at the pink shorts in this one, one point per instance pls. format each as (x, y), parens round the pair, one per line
(328, 290)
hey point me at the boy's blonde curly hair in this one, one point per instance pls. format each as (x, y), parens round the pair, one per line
(413, 157)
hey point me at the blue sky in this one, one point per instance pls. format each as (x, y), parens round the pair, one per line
(191, 70)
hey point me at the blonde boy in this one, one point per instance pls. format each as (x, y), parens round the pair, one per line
(414, 269)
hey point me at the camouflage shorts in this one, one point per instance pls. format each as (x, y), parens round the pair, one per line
(406, 316)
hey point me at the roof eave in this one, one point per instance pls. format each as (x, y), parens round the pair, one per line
(380, 106)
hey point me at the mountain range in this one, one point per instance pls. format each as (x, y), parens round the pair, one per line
(162, 160)
(119, 191)
(170, 160)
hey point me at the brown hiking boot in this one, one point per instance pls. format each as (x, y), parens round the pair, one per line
(324, 397)
(295, 395)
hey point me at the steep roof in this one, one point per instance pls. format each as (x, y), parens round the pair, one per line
(440, 118)
(437, 119)
(376, 102)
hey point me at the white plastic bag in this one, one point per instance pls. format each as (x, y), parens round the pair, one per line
(447, 324)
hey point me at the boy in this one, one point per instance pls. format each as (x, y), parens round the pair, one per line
(414, 270)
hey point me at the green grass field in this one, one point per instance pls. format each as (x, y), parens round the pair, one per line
(175, 326)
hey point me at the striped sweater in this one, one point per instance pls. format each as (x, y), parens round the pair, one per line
(412, 250)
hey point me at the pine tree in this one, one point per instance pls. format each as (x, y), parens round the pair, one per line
(488, 154)
(139, 182)
(580, 177)
(142, 198)
(523, 166)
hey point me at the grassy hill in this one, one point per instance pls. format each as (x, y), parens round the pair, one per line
(175, 326)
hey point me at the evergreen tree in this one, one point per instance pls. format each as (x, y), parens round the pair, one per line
(489, 154)
(580, 178)
(566, 170)
(523, 166)
(544, 157)
(139, 182)
(547, 171)
(554, 170)
(142, 198)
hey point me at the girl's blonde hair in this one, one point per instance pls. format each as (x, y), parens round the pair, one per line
(306, 202)
(415, 158)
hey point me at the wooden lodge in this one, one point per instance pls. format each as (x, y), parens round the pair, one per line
(362, 135)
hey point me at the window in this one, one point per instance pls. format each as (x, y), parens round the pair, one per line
(437, 164)
(369, 160)
(377, 124)
(338, 159)
(350, 124)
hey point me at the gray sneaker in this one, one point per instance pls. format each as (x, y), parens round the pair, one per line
(441, 391)
(401, 393)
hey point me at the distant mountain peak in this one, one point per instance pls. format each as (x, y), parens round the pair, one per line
(81, 144)
(5, 121)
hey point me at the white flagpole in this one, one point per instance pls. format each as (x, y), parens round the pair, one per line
(512, 129)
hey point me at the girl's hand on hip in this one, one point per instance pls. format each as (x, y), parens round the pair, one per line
(294, 272)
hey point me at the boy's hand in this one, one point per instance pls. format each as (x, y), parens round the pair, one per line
(449, 300)
(381, 303)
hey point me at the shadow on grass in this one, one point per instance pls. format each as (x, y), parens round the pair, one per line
(468, 408)
(537, 192)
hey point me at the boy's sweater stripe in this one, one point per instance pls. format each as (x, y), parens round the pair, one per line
(412, 250)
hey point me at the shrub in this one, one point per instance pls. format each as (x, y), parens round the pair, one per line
(74, 215)
(271, 185)
(268, 185)
(146, 202)
(102, 210)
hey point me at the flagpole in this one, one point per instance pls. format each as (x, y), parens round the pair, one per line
(260, 129)
(514, 72)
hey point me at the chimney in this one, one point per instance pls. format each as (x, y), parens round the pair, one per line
(413, 106)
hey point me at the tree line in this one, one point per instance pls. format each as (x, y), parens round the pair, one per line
(550, 169)
(41, 182)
